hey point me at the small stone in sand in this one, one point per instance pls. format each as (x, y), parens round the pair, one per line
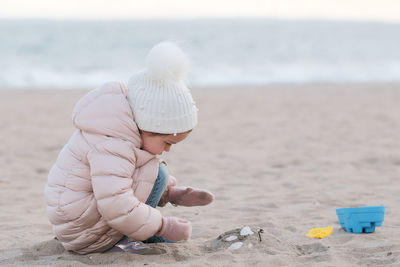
(246, 231)
(235, 245)
(231, 238)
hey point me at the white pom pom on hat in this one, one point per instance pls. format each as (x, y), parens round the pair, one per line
(166, 61)
(158, 96)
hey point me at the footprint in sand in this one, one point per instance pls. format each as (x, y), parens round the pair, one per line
(308, 249)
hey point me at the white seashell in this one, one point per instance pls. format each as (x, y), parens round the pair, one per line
(246, 231)
(231, 238)
(235, 245)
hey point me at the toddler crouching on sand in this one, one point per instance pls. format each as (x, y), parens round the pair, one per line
(107, 181)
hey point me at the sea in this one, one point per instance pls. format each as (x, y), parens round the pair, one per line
(76, 54)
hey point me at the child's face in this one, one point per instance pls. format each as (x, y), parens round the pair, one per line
(156, 144)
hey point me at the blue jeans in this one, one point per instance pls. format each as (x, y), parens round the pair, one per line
(159, 187)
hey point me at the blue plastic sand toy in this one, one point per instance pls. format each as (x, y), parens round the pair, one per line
(361, 219)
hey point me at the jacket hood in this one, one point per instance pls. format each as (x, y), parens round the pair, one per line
(106, 111)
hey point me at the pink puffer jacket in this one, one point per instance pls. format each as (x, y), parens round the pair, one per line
(97, 188)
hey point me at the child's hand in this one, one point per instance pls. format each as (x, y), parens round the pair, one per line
(175, 229)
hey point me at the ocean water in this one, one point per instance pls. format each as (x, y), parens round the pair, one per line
(84, 54)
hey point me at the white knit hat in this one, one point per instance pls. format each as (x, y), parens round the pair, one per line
(158, 96)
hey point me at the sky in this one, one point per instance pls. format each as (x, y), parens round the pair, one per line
(376, 10)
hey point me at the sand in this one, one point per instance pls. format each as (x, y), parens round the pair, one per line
(280, 158)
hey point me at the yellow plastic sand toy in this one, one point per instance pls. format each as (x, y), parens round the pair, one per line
(320, 232)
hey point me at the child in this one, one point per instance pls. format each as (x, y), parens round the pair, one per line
(107, 181)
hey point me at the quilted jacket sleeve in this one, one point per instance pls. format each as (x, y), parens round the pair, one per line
(112, 164)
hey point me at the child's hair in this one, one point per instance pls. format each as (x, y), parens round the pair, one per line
(163, 134)
(160, 101)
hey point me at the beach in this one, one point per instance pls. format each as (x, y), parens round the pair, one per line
(281, 158)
